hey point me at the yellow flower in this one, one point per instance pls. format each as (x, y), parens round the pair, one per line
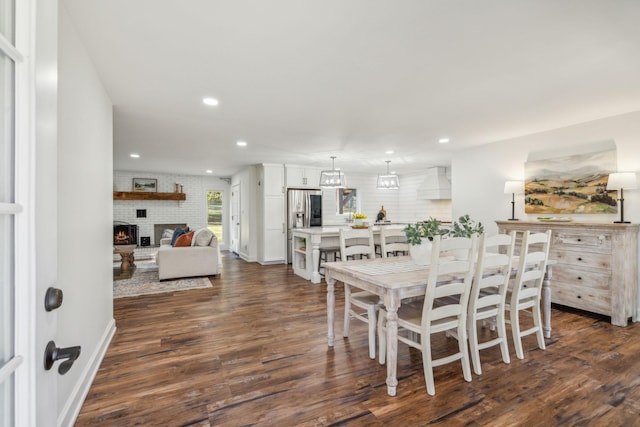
(359, 215)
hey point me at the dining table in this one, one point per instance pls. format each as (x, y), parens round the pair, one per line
(395, 279)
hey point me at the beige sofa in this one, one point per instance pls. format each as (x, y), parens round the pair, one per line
(190, 261)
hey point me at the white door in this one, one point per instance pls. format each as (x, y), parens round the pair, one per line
(28, 394)
(235, 218)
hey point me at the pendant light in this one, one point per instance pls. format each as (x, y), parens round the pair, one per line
(332, 178)
(389, 181)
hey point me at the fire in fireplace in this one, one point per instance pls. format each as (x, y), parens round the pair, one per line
(125, 234)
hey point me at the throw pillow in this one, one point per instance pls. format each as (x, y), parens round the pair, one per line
(179, 231)
(202, 237)
(167, 234)
(184, 240)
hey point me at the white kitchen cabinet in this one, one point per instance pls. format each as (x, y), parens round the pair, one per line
(302, 176)
(271, 216)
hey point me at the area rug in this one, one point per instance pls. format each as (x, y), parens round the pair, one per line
(144, 281)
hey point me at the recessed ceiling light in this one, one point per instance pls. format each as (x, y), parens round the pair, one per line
(389, 152)
(209, 171)
(210, 101)
(241, 143)
(134, 155)
(443, 140)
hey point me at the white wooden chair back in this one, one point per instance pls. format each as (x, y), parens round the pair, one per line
(393, 240)
(356, 241)
(488, 293)
(449, 284)
(526, 292)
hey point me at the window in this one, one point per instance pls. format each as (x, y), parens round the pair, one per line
(215, 209)
(347, 201)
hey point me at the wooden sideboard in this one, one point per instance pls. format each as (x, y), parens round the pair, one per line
(596, 265)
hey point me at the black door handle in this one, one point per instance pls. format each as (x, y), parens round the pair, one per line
(53, 353)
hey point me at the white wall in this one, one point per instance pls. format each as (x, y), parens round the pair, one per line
(84, 221)
(478, 184)
(192, 211)
(402, 205)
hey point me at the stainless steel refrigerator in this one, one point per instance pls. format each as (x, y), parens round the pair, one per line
(304, 210)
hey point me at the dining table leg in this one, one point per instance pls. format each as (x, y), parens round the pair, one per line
(392, 302)
(331, 309)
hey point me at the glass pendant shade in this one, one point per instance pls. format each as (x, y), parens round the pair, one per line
(389, 181)
(333, 178)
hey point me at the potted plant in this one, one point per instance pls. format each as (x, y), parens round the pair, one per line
(419, 237)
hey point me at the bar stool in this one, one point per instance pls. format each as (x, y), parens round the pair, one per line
(324, 255)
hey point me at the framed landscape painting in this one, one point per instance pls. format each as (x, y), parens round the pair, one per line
(149, 185)
(575, 184)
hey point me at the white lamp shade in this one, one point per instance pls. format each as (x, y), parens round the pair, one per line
(332, 179)
(624, 180)
(513, 187)
(388, 182)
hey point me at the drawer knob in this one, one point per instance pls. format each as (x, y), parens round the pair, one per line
(579, 278)
(579, 240)
(579, 258)
(579, 296)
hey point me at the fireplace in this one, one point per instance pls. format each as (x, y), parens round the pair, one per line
(125, 234)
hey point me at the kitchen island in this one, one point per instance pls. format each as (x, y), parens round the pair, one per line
(308, 241)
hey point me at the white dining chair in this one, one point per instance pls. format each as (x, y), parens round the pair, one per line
(525, 292)
(488, 293)
(444, 308)
(393, 241)
(357, 244)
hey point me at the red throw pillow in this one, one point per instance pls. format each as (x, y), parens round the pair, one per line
(184, 239)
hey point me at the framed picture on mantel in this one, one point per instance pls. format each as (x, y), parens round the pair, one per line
(146, 185)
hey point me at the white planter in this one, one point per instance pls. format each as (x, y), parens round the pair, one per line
(421, 254)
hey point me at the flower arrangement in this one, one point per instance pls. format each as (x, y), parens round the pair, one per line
(359, 215)
(463, 227)
(428, 229)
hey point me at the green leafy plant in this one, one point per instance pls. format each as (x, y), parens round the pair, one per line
(428, 229)
(465, 227)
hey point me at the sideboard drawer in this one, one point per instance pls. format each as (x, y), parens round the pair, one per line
(582, 259)
(571, 241)
(581, 297)
(579, 277)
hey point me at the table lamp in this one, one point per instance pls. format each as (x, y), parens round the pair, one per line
(620, 181)
(513, 188)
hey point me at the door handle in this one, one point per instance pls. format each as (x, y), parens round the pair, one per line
(53, 353)
(52, 299)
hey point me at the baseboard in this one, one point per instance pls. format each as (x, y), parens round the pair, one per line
(69, 413)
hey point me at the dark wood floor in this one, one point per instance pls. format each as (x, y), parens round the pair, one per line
(253, 351)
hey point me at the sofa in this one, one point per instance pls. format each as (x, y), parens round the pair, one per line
(200, 258)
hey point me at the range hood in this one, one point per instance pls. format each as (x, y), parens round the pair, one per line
(436, 185)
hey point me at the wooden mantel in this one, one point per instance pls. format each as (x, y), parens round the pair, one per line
(141, 195)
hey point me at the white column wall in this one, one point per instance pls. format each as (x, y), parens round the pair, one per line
(85, 165)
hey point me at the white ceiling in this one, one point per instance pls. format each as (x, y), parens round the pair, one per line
(303, 80)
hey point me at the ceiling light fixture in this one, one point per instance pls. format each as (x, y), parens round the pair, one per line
(443, 140)
(241, 143)
(389, 152)
(333, 178)
(209, 171)
(212, 102)
(134, 155)
(390, 181)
